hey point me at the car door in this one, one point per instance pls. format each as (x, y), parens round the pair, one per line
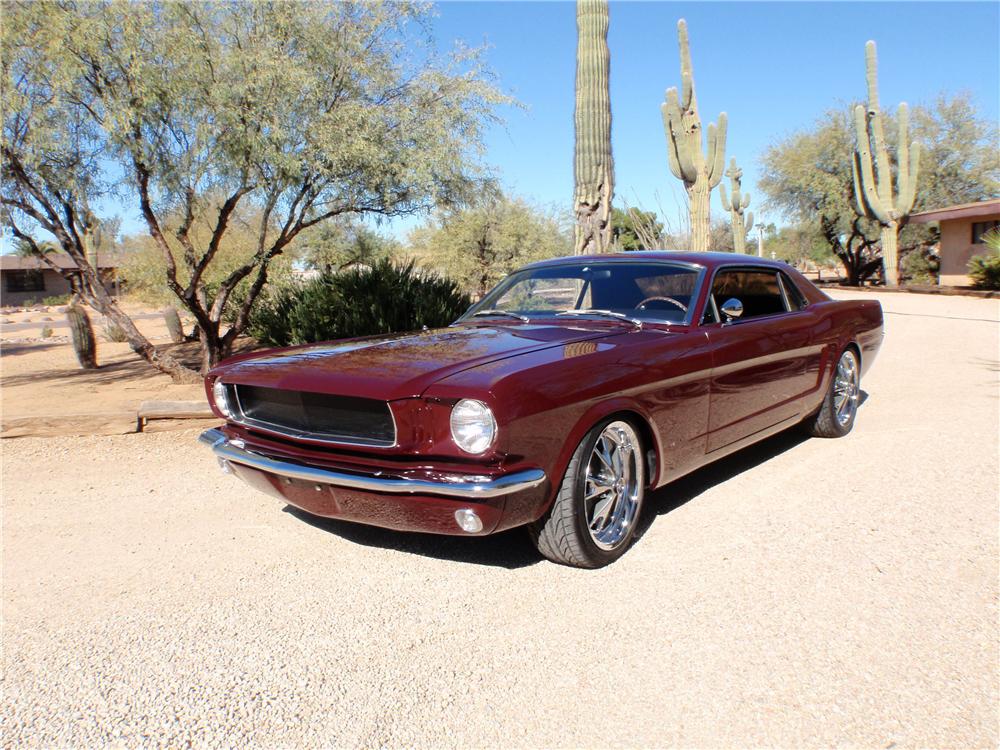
(761, 360)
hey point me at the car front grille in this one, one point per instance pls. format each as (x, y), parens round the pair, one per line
(317, 416)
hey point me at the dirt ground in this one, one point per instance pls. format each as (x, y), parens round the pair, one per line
(40, 377)
(803, 592)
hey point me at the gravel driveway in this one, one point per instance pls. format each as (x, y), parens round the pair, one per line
(801, 593)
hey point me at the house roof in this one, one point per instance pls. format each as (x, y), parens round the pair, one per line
(990, 208)
(62, 260)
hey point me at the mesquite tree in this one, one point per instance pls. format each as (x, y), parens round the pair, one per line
(700, 171)
(873, 190)
(593, 168)
(294, 113)
(741, 220)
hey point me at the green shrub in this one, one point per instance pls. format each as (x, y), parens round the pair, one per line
(386, 298)
(46, 332)
(114, 332)
(59, 299)
(920, 266)
(984, 270)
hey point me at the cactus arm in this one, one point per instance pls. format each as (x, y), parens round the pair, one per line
(878, 145)
(749, 222)
(679, 156)
(687, 72)
(870, 192)
(906, 178)
(871, 74)
(724, 198)
(746, 200)
(717, 150)
(859, 201)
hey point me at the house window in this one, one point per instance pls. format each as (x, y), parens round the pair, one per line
(979, 228)
(25, 281)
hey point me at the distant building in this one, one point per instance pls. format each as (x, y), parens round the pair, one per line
(962, 230)
(31, 280)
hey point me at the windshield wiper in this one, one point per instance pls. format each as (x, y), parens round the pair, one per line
(604, 313)
(508, 313)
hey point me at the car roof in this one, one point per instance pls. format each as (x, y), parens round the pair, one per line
(708, 260)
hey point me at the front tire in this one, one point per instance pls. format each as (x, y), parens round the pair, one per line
(835, 417)
(593, 518)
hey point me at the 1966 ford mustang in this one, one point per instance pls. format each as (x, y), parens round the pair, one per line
(557, 402)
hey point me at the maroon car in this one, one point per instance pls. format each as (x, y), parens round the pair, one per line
(557, 402)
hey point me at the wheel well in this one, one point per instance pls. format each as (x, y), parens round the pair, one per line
(648, 441)
(857, 350)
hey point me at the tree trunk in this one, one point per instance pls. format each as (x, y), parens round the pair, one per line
(890, 253)
(101, 301)
(698, 197)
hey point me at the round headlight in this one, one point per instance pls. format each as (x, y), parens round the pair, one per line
(221, 397)
(472, 426)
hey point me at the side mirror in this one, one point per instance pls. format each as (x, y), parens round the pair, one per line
(732, 308)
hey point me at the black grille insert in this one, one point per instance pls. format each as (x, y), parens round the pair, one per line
(317, 415)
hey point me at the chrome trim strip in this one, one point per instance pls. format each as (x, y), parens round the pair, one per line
(327, 439)
(467, 488)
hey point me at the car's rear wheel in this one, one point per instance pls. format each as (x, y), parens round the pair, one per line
(835, 417)
(593, 519)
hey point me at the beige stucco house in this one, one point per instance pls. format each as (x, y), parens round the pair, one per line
(962, 230)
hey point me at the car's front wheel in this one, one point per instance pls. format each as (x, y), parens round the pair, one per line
(594, 516)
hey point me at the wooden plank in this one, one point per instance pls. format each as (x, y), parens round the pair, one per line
(174, 410)
(169, 425)
(65, 425)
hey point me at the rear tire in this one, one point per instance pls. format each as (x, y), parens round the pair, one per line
(592, 521)
(836, 416)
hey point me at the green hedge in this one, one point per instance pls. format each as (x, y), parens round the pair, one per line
(386, 298)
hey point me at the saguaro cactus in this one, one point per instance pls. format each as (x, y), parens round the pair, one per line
(740, 218)
(593, 168)
(82, 332)
(174, 327)
(699, 171)
(873, 193)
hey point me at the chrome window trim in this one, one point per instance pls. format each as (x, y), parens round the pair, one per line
(283, 431)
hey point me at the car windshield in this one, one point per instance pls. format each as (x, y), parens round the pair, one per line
(654, 291)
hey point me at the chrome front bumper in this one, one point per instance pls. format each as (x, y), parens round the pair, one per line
(465, 487)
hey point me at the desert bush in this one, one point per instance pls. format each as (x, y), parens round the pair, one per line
(46, 332)
(920, 266)
(59, 299)
(114, 333)
(385, 298)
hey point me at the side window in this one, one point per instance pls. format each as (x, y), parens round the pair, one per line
(796, 300)
(758, 291)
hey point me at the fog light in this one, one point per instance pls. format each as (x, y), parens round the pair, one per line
(468, 520)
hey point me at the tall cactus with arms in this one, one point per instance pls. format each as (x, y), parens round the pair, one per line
(873, 193)
(699, 171)
(741, 219)
(593, 167)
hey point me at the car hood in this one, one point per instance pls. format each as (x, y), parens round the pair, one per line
(397, 366)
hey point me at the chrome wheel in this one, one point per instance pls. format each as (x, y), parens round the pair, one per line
(613, 485)
(846, 387)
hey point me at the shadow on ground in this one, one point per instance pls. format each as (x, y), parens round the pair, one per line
(513, 549)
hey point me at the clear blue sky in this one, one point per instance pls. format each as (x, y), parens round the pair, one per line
(774, 67)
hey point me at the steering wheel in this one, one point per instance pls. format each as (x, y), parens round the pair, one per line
(671, 300)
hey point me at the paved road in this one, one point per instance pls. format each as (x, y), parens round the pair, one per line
(801, 593)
